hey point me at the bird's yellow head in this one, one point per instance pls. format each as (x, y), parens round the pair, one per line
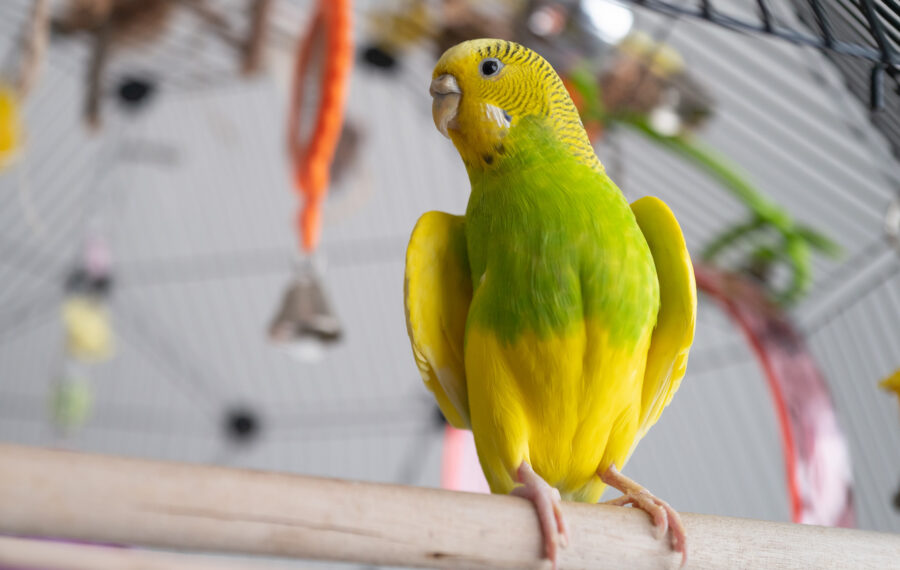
(482, 89)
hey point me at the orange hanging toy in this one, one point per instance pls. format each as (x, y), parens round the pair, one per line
(312, 158)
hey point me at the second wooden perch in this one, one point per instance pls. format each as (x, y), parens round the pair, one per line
(214, 509)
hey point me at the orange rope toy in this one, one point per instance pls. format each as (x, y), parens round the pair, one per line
(312, 158)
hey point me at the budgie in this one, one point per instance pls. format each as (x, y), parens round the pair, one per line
(552, 319)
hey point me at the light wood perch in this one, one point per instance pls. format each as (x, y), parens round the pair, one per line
(34, 554)
(214, 509)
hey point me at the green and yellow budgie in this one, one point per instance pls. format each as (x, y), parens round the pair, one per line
(553, 319)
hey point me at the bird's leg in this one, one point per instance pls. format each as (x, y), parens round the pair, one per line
(548, 504)
(663, 515)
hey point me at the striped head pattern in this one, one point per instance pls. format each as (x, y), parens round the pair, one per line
(483, 88)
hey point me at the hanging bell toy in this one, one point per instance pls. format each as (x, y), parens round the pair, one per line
(305, 323)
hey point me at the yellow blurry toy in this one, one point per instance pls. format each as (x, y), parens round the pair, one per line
(10, 126)
(88, 331)
(19, 82)
(892, 383)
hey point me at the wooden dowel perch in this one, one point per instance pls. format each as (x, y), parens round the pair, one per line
(179, 506)
(32, 554)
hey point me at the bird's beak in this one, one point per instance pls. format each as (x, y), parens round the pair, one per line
(446, 94)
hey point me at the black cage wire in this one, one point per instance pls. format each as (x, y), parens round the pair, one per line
(850, 316)
(192, 377)
(860, 36)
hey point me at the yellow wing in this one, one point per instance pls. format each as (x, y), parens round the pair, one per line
(437, 292)
(674, 333)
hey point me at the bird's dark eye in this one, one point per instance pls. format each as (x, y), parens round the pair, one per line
(490, 67)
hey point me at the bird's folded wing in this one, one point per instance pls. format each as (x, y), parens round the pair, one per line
(437, 292)
(674, 333)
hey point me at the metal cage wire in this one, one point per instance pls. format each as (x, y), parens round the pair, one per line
(861, 37)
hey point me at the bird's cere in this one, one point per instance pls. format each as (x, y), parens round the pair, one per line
(444, 85)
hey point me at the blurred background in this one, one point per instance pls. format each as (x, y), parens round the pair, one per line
(155, 301)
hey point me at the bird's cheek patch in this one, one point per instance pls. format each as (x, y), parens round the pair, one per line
(497, 116)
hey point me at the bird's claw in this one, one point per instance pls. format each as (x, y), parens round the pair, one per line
(663, 515)
(548, 503)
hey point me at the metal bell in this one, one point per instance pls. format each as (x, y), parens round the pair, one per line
(305, 322)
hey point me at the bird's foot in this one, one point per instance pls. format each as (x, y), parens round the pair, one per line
(664, 516)
(548, 504)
